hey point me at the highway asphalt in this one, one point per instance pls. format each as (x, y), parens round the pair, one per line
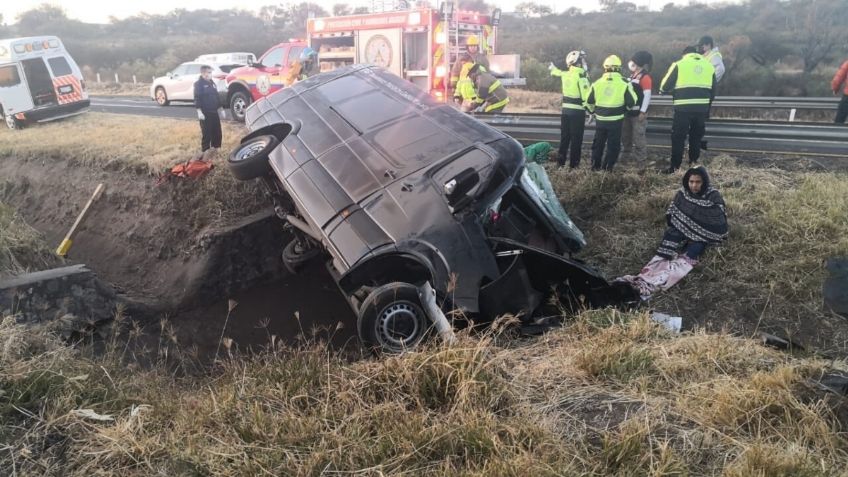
(743, 143)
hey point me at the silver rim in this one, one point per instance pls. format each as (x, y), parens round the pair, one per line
(399, 325)
(10, 122)
(250, 150)
(160, 96)
(239, 107)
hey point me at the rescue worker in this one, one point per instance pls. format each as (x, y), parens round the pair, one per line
(472, 54)
(692, 81)
(840, 81)
(634, 142)
(465, 94)
(306, 66)
(609, 98)
(209, 110)
(491, 94)
(707, 47)
(575, 92)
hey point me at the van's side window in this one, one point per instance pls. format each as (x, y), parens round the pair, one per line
(60, 66)
(9, 76)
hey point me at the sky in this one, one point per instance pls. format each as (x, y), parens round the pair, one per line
(100, 11)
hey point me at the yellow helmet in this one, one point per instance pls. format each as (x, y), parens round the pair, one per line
(612, 62)
(472, 41)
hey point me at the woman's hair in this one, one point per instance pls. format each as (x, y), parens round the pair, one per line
(699, 171)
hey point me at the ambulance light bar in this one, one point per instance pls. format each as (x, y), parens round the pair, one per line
(36, 46)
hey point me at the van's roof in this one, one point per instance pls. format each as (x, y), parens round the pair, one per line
(15, 48)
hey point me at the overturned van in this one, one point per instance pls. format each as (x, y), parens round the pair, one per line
(401, 191)
(39, 81)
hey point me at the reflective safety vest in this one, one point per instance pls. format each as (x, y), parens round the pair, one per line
(491, 93)
(693, 84)
(465, 87)
(575, 88)
(610, 94)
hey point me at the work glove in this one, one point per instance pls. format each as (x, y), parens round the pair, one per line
(222, 114)
(457, 99)
(551, 66)
(200, 115)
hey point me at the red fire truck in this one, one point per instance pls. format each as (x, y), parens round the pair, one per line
(419, 44)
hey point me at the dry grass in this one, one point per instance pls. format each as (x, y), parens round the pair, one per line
(118, 89)
(113, 141)
(524, 101)
(481, 409)
(769, 274)
(22, 248)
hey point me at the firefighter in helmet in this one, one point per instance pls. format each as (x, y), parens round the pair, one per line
(609, 99)
(472, 54)
(304, 67)
(575, 92)
(491, 94)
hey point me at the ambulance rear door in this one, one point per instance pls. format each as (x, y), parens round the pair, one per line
(381, 48)
(14, 92)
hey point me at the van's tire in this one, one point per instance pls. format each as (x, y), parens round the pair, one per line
(239, 102)
(392, 319)
(161, 96)
(13, 123)
(294, 257)
(249, 160)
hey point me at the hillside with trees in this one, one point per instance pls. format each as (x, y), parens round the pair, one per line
(771, 48)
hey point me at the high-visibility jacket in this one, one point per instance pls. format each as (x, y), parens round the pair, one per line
(692, 81)
(491, 93)
(466, 57)
(840, 79)
(465, 89)
(610, 97)
(575, 88)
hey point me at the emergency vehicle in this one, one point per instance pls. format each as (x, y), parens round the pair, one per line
(39, 81)
(419, 44)
(259, 79)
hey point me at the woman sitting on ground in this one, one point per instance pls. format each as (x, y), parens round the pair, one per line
(696, 218)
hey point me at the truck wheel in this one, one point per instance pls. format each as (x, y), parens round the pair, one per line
(162, 97)
(392, 319)
(250, 159)
(296, 254)
(238, 105)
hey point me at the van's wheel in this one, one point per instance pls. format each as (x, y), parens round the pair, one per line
(13, 122)
(249, 159)
(392, 319)
(162, 97)
(297, 253)
(238, 105)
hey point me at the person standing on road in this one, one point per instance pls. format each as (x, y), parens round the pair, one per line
(711, 53)
(209, 110)
(633, 135)
(575, 92)
(609, 98)
(840, 81)
(692, 82)
(491, 94)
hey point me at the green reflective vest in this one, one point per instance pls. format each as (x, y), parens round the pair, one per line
(610, 94)
(694, 80)
(575, 87)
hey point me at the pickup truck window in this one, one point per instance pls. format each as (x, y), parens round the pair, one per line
(273, 58)
(294, 54)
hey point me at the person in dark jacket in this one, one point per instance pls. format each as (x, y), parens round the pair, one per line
(209, 110)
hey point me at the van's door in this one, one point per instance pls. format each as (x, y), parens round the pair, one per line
(14, 93)
(40, 83)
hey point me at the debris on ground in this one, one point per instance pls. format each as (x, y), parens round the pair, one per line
(777, 342)
(672, 323)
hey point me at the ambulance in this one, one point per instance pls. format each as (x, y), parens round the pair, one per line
(417, 44)
(39, 81)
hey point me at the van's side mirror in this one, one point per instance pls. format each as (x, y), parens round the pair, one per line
(457, 189)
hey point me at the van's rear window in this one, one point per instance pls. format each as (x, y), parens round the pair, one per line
(60, 66)
(9, 76)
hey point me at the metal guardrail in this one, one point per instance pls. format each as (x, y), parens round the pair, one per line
(764, 102)
(546, 127)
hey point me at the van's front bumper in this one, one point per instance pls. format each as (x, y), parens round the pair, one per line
(56, 112)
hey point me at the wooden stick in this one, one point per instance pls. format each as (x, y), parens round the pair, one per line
(62, 251)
